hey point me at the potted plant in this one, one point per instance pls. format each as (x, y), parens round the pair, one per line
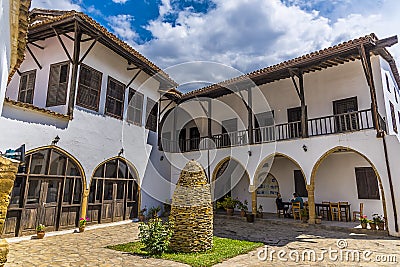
(229, 204)
(260, 211)
(364, 221)
(142, 214)
(318, 219)
(153, 212)
(304, 215)
(379, 221)
(250, 217)
(40, 231)
(243, 206)
(82, 224)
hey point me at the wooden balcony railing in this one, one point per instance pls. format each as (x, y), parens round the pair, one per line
(348, 122)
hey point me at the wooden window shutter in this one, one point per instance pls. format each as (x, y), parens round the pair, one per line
(89, 87)
(115, 98)
(151, 115)
(27, 87)
(300, 184)
(367, 183)
(58, 84)
(393, 114)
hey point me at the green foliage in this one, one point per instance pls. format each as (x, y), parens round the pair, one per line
(223, 249)
(228, 203)
(243, 205)
(304, 212)
(155, 235)
(377, 218)
(153, 212)
(40, 228)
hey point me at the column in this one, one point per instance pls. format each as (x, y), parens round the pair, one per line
(8, 171)
(311, 204)
(253, 199)
(84, 203)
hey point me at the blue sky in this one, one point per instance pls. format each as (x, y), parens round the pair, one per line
(243, 34)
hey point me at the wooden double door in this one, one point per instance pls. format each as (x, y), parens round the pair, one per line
(48, 192)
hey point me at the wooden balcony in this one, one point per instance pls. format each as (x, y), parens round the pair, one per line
(333, 124)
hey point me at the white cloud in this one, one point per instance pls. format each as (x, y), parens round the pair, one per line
(120, 1)
(58, 4)
(252, 34)
(121, 26)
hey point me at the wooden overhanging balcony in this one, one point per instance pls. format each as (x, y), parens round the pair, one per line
(333, 124)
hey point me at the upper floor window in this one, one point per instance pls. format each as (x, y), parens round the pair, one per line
(393, 114)
(135, 107)
(115, 98)
(151, 115)
(27, 86)
(89, 88)
(58, 84)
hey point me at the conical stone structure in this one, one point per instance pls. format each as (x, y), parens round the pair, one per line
(192, 211)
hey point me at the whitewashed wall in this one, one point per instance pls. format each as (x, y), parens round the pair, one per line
(4, 47)
(91, 137)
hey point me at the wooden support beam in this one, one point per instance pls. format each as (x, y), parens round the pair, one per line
(300, 92)
(68, 36)
(75, 65)
(88, 50)
(367, 67)
(132, 68)
(63, 45)
(33, 56)
(18, 72)
(133, 78)
(250, 115)
(35, 44)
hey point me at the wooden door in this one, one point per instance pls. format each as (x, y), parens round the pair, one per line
(50, 198)
(108, 202)
(294, 119)
(194, 136)
(344, 119)
(119, 201)
(33, 202)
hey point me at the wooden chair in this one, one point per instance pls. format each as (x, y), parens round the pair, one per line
(360, 212)
(344, 211)
(296, 210)
(335, 210)
(324, 212)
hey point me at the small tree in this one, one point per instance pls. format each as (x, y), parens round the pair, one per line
(155, 235)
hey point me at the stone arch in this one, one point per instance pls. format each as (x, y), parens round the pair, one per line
(342, 148)
(227, 159)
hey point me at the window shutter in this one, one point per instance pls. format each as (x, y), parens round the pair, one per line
(53, 86)
(89, 88)
(367, 183)
(115, 98)
(27, 86)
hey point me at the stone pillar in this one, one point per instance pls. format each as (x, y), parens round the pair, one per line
(253, 199)
(8, 170)
(311, 204)
(84, 203)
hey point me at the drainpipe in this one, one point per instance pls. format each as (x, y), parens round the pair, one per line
(396, 223)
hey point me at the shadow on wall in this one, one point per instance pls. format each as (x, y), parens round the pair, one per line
(29, 116)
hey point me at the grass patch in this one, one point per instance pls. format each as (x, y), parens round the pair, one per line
(224, 248)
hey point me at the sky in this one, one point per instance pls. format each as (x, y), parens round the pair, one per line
(243, 35)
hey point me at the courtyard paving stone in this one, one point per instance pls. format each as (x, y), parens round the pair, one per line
(89, 248)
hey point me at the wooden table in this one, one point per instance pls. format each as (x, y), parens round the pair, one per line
(346, 207)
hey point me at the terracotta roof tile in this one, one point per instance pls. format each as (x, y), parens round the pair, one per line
(35, 108)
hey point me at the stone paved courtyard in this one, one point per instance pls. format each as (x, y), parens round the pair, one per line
(88, 248)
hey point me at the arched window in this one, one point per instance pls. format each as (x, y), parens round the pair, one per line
(269, 187)
(48, 192)
(113, 194)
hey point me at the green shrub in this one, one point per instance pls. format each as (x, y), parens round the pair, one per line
(155, 235)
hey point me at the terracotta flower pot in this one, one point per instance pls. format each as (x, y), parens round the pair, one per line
(141, 218)
(40, 234)
(250, 217)
(381, 226)
(372, 226)
(364, 225)
(81, 229)
(243, 213)
(318, 220)
(229, 212)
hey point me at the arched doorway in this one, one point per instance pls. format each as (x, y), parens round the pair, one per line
(344, 174)
(278, 173)
(49, 192)
(230, 178)
(114, 192)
